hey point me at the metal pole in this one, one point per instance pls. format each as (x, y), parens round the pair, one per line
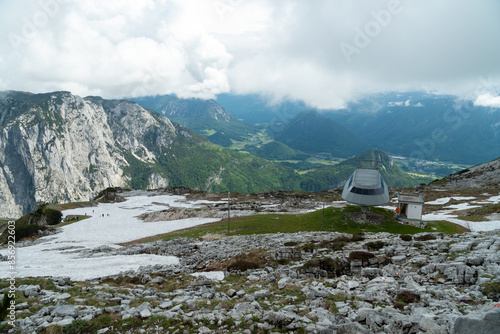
(323, 224)
(228, 210)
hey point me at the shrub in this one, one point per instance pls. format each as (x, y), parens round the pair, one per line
(407, 297)
(252, 260)
(334, 267)
(375, 245)
(28, 230)
(406, 237)
(291, 243)
(418, 245)
(404, 298)
(491, 290)
(339, 242)
(308, 248)
(425, 237)
(357, 237)
(3, 307)
(360, 255)
(242, 265)
(335, 244)
(343, 239)
(53, 216)
(122, 280)
(310, 264)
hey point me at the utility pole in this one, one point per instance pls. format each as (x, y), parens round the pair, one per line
(323, 224)
(228, 210)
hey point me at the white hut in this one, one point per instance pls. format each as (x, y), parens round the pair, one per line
(410, 208)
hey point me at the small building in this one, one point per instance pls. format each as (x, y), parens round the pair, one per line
(410, 209)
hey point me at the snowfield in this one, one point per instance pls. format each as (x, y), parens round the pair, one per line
(66, 253)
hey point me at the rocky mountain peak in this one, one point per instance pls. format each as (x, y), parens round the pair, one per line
(58, 147)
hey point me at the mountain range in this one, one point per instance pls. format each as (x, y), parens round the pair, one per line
(206, 117)
(309, 132)
(58, 147)
(417, 125)
(425, 127)
(313, 133)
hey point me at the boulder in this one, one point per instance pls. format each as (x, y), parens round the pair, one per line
(279, 319)
(30, 290)
(65, 311)
(484, 321)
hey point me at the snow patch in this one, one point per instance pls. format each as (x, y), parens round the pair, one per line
(444, 200)
(212, 275)
(67, 253)
(447, 214)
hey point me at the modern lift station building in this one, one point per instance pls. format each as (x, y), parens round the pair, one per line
(366, 187)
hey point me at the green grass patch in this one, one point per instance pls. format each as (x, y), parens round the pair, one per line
(479, 214)
(445, 227)
(76, 219)
(335, 220)
(491, 290)
(473, 218)
(68, 206)
(44, 283)
(3, 222)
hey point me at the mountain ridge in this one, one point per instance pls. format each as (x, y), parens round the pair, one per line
(57, 147)
(416, 124)
(311, 132)
(199, 115)
(485, 175)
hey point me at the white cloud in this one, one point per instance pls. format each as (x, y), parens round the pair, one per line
(116, 49)
(283, 49)
(395, 104)
(488, 100)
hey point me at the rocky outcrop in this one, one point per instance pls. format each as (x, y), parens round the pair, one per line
(485, 175)
(59, 147)
(484, 321)
(414, 286)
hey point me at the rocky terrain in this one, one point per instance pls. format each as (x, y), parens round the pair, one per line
(307, 282)
(481, 176)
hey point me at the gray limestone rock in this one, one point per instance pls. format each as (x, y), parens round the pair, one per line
(484, 321)
(30, 290)
(279, 319)
(65, 311)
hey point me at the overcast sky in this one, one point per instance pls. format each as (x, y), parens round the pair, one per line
(324, 52)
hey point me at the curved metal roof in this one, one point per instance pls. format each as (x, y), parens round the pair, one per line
(366, 187)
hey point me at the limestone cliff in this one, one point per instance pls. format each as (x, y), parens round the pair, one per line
(58, 147)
